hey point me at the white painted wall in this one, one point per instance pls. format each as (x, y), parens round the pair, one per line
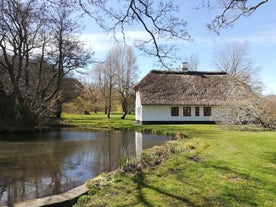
(138, 144)
(163, 112)
(138, 107)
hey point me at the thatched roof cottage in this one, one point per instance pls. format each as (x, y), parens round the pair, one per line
(184, 97)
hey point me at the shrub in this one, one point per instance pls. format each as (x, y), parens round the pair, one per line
(181, 135)
(268, 114)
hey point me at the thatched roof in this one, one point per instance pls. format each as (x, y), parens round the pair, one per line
(188, 88)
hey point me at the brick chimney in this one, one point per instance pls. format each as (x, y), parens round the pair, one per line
(184, 66)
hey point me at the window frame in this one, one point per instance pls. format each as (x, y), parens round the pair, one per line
(207, 111)
(174, 111)
(187, 111)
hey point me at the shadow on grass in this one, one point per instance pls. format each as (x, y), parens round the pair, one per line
(270, 157)
(141, 184)
(227, 170)
(269, 168)
(237, 187)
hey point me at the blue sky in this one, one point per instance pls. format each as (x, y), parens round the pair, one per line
(257, 30)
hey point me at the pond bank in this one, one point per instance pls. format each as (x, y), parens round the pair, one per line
(61, 200)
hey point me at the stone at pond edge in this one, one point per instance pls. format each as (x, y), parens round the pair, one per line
(64, 199)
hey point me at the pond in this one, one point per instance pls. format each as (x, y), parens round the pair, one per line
(41, 164)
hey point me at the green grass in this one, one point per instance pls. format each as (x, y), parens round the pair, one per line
(100, 121)
(223, 168)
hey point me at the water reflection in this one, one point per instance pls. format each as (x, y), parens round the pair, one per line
(38, 165)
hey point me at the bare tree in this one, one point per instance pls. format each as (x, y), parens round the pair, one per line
(193, 62)
(92, 88)
(109, 81)
(19, 26)
(126, 68)
(99, 75)
(114, 78)
(248, 108)
(67, 53)
(104, 74)
(37, 51)
(240, 108)
(235, 60)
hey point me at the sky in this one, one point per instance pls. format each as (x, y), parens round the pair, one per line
(257, 30)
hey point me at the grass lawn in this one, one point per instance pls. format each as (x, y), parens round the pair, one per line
(223, 168)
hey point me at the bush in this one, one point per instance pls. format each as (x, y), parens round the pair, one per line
(16, 117)
(181, 135)
(77, 106)
(158, 154)
(268, 114)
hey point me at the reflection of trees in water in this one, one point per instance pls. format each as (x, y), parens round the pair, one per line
(38, 169)
(32, 164)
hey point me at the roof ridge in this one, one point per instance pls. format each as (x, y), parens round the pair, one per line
(189, 72)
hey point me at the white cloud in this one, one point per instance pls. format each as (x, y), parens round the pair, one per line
(101, 43)
(266, 37)
(98, 42)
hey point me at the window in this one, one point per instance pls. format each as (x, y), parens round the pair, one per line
(196, 111)
(174, 111)
(207, 111)
(186, 111)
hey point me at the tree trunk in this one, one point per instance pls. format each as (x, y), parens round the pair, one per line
(124, 106)
(105, 110)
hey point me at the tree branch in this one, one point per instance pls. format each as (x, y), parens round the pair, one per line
(232, 10)
(158, 19)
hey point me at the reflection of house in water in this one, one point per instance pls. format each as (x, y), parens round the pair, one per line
(144, 141)
(138, 144)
